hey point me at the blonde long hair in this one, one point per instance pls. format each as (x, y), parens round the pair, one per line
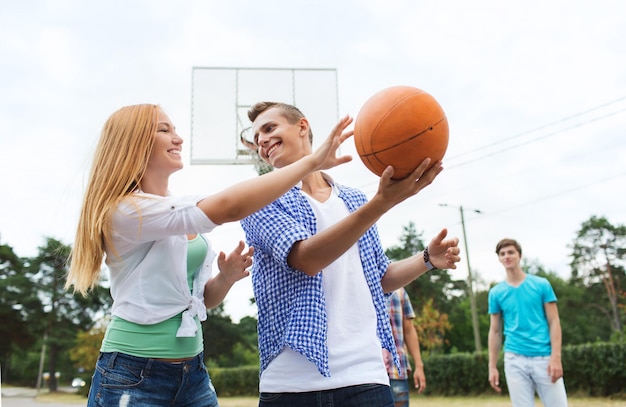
(120, 161)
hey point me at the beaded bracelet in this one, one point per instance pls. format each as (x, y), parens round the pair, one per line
(429, 265)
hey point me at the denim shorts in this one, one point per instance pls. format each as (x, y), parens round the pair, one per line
(124, 380)
(364, 395)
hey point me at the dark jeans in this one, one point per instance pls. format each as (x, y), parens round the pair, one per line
(364, 395)
(124, 380)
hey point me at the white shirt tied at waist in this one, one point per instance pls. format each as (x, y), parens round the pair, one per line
(148, 260)
(188, 326)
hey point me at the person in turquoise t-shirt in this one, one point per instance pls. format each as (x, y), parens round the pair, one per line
(525, 306)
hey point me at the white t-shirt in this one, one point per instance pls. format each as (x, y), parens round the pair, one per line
(355, 355)
(147, 260)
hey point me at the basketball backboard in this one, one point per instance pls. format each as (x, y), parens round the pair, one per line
(221, 97)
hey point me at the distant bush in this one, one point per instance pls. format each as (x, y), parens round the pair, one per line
(235, 381)
(597, 369)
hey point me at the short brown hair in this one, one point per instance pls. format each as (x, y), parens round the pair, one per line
(508, 242)
(290, 112)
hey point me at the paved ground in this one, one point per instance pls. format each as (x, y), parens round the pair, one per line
(29, 402)
(24, 397)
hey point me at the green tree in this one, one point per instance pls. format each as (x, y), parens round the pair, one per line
(227, 344)
(61, 314)
(435, 292)
(598, 259)
(577, 306)
(431, 326)
(248, 330)
(577, 311)
(87, 346)
(461, 337)
(436, 285)
(15, 302)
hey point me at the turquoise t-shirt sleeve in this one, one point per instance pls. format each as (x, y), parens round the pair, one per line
(493, 304)
(548, 292)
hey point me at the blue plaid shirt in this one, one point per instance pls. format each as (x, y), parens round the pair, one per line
(291, 304)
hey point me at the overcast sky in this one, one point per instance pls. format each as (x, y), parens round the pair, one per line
(534, 92)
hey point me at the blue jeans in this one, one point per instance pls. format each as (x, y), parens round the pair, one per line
(364, 395)
(124, 380)
(400, 392)
(525, 375)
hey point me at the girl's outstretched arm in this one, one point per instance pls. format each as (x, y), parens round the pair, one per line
(242, 199)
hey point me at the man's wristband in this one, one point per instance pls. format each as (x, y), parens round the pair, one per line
(429, 265)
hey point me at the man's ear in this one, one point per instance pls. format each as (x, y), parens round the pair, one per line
(304, 127)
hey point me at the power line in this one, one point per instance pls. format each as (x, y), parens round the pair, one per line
(487, 155)
(558, 194)
(548, 125)
(542, 137)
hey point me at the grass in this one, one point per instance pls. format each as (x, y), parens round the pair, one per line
(481, 401)
(422, 401)
(61, 397)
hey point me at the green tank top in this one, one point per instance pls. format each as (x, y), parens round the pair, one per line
(159, 340)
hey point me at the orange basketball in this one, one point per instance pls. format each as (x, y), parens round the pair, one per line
(400, 126)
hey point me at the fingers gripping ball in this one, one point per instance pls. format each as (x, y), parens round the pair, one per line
(400, 126)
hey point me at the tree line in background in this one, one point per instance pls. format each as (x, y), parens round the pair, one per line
(47, 329)
(591, 302)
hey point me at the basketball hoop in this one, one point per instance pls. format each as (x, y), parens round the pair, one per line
(222, 96)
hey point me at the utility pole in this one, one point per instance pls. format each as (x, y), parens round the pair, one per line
(470, 282)
(41, 360)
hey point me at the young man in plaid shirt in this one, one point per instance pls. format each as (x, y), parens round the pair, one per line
(320, 275)
(401, 316)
